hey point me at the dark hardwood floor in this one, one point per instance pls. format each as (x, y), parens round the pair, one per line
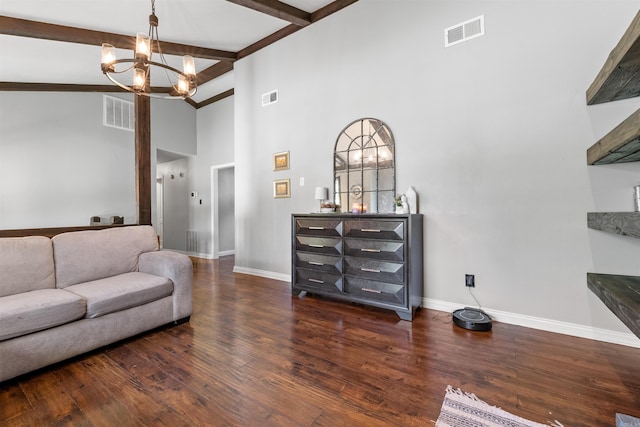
(253, 355)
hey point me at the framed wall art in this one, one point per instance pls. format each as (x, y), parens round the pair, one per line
(281, 161)
(281, 188)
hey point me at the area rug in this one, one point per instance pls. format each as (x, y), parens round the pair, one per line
(461, 409)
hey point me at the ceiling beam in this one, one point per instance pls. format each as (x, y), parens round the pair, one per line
(42, 30)
(277, 9)
(290, 29)
(330, 9)
(216, 98)
(213, 72)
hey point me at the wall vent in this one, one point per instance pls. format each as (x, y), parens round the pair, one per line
(269, 98)
(118, 113)
(464, 31)
(192, 241)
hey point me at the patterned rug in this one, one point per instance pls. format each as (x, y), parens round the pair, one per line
(461, 409)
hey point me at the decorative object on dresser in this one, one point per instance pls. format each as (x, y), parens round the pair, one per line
(369, 259)
(322, 194)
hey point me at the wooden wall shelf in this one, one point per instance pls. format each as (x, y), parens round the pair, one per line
(621, 145)
(621, 294)
(623, 223)
(618, 78)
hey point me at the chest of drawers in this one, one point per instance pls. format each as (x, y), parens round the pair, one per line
(369, 259)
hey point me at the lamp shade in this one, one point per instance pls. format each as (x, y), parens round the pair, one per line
(322, 193)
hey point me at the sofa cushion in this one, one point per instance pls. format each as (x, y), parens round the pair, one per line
(83, 256)
(34, 311)
(120, 292)
(26, 264)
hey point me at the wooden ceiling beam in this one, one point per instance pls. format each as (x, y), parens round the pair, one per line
(213, 72)
(277, 9)
(42, 30)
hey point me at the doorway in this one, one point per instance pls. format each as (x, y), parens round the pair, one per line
(223, 210)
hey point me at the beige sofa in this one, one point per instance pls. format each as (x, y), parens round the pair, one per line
(81, 290)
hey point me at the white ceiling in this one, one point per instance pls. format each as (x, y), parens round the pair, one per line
(214, 24)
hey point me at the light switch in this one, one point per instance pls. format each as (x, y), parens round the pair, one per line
(301, 181)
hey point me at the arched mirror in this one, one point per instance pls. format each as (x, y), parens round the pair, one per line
(364, 167)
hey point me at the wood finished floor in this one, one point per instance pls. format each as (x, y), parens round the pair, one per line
(254, 356)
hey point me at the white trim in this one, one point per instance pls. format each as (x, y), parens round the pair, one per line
(225, 253)
(262, 273)
(549, 325)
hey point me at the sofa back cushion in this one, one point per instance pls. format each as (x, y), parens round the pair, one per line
(26, 264)
(82, 256)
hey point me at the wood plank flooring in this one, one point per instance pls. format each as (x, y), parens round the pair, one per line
(253, 355)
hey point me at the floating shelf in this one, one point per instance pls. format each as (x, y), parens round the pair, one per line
(621, 294)
(618, 78)
(623, 223)
(621, 145)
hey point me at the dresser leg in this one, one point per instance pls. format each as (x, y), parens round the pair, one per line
(405, 316)
(300, 294)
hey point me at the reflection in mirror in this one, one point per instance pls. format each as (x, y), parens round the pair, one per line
(364, 167)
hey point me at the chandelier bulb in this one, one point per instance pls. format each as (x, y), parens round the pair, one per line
(143, 46)
(108, 56)
(188, 65)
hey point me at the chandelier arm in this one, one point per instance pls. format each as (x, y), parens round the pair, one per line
(149, 94)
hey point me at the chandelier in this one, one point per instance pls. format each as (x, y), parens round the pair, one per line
(141, 64)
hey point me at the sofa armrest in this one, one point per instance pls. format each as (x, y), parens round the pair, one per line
(178, 268)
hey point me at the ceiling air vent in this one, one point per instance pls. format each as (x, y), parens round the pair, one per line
(464, 31)
(118, 113)
(269, 98)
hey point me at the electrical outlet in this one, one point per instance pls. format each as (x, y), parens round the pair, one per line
(470, 280)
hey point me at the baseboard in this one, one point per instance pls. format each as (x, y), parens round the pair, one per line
(262, 273)
(192, 254)
(225, 253)
(566, 328)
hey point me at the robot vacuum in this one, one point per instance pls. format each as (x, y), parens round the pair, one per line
(473, 319)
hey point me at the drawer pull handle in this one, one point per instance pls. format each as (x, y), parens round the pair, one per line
(315, 246)
(375, 291)
(370, 230)
(316, 228)
(370, 270)
(316, 281)
(315, 263)
(377, 251)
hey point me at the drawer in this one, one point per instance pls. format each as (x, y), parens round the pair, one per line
(375, 229)
(374, 249)
(383, 271)
(321, 245)
(323, 263)
(310, 280)
(370, 290)
(318, 226)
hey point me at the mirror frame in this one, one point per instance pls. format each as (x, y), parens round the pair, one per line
(364, 149)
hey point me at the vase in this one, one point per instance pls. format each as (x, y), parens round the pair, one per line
(412, 200)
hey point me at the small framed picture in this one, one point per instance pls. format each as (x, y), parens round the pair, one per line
(281, 161)
(281, 188)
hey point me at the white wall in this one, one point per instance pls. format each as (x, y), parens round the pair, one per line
(59, 165)
(491, 133)
(215, 147)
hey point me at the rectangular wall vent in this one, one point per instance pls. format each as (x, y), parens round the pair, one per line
(118, 113)
(269, 98)
(464, 31)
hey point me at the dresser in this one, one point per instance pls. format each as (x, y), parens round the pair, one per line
(372, 259)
